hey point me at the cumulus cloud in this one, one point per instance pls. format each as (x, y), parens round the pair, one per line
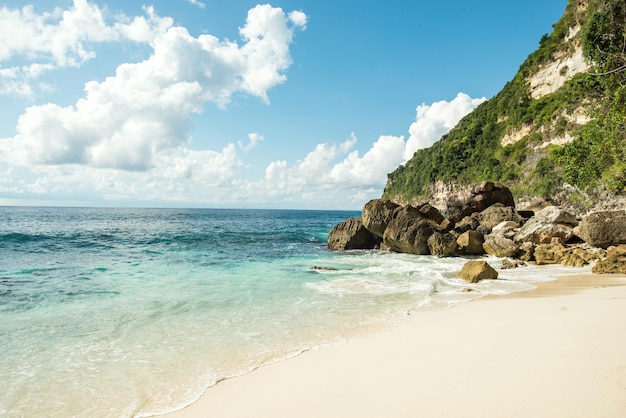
(435, 120)
(62, 38)
(331, 175)
(338, 172)
(335, 172)
(129, 119)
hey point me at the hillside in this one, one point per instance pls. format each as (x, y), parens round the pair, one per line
(556, 131)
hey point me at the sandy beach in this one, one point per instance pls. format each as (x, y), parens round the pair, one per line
(556, 351)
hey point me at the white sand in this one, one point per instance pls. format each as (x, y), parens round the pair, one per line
(559, 351)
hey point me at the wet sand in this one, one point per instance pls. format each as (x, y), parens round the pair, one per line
(555, 351)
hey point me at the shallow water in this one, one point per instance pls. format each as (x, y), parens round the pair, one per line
(135, 312)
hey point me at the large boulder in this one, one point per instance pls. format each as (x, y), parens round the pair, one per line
(474, 271)
(442, 244)
(615, 261)
(478, 198)
(351, 235)
(408, 232)
(603, 229)
(549, 223)
(430, 212)
(500, 246)
(498, 213)
(471, 242)
(377, 214)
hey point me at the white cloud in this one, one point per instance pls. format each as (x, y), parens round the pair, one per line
(129, 119)
(298, 18)
(435, 120)
(337, 173)
(253, 140)
(196, 3)
(62, 38)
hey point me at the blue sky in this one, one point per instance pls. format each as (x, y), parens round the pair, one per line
(202, 103)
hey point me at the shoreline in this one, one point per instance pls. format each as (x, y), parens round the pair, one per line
(556, 350)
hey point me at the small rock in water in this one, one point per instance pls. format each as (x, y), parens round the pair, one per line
(323, 268)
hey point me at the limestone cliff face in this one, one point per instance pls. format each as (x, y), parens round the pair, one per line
(540, 135)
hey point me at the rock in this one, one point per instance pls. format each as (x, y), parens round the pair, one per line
(446, 225)
(526, 214)
(526, 251)
(466, 224)
(549, 253)
(442, 244)
(550, 222)
(430, 212)
(505, 227)
(500, 246)
(471, 242)
(572, 259)
(408, 232)
(614, 263)
(377, 214)
(507, 263)
(351, 235)
(498, 213)
(474, 271)
(478, 198)
(603, 229)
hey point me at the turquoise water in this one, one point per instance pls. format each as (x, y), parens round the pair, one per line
(135, 312)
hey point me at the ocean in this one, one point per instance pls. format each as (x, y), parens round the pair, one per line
(136, 312)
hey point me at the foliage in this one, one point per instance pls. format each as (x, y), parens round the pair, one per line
(595, 159)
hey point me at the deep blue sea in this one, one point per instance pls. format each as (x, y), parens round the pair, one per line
(136, 312)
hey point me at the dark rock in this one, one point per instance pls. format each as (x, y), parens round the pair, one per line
(550, 222)
(614, 263)
(507, 264)
(377, 214)
(471, 242)
(478, 198)
(526, 251)
(466, 224)
(526, 214)
(430, 212)
(603, 229)
(408, 233)
(442, 244)
(474, 271)
(322, 268)
(446, 225)
(351, 235)
(500, 246)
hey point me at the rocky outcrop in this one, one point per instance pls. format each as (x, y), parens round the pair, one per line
(614, 263)
(483, 219)
(442, 244)
(603, 229)
(478, 198)
(377, 214)
(474, 271)
(500, 246)
(351, 235)
(498, 213)
(471, 243)
(547, 224)
(408, 232)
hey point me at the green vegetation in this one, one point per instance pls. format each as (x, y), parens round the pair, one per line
(594, 161)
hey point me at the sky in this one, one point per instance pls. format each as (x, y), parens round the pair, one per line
(293, 104)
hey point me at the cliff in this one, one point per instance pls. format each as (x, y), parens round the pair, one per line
(556, 132)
